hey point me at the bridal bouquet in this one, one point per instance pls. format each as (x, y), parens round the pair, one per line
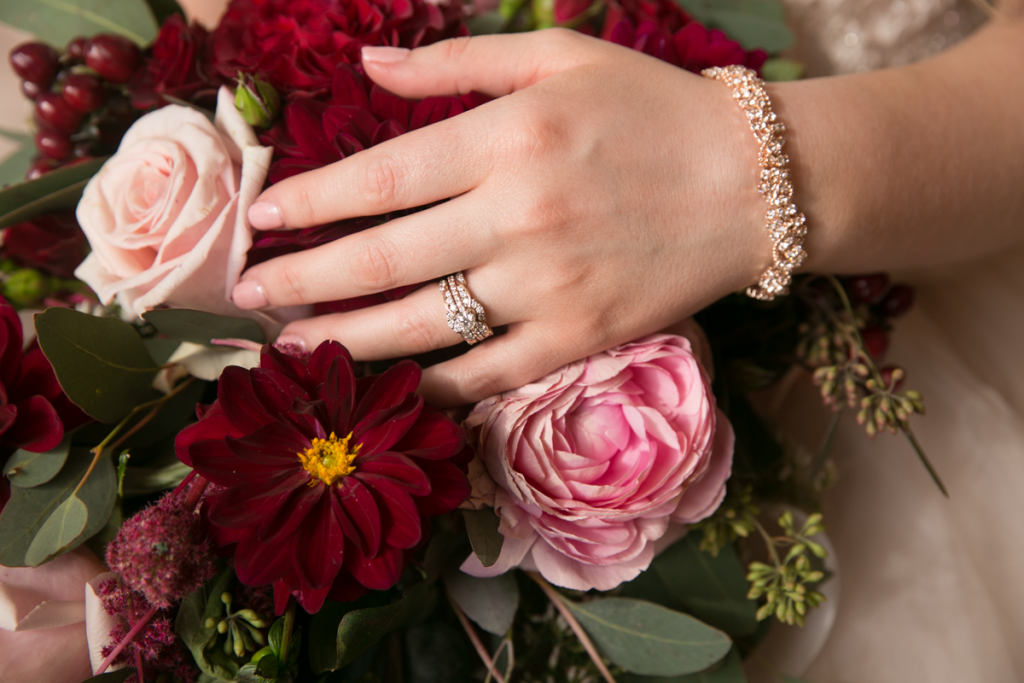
(268, 515)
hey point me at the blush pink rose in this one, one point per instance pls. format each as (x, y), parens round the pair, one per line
(595, 461)
(49, 631)
(166, 215)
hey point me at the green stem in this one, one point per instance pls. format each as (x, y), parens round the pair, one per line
(924, 460)
(289, 624)
(768, 541)
(485, 657)
(826, 445)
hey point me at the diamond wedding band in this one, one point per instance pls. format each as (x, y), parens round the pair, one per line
(465, 314)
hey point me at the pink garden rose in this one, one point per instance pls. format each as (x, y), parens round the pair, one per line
(594, 461)
(47, 623)
(166, 215)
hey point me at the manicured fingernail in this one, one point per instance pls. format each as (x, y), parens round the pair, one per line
(384, 54)
(265, 216)
(291, 345)
(248, 295)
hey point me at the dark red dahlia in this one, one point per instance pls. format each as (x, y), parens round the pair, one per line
(175, 67)
(53, 243)
(34, 411)
(692, 47)
(324, 481)
(295, 44)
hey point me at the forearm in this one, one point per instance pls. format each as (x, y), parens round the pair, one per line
(914, 166)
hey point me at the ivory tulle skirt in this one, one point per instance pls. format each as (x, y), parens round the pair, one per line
(933, 589)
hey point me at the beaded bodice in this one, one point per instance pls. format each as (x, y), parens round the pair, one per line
(844, 36)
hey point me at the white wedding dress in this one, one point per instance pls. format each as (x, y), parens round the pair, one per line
(932, 589)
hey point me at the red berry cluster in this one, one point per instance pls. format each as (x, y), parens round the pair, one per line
(81, 108)
(882, 301)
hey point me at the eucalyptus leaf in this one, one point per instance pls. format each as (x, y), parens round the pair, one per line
(58, 21)
(59, 531)
(729, 670)
(649, 639)
(190, 626)
(118, 676)
(782, 69)
(712, 589)
(15, 165)
(27, 469)
(491, 603)
(199, 327)
(486, 23)
(100, 363)
(359, 629)
(17, 200)
(61, 200)
(482, 529)
(752, 23)
(28, 509)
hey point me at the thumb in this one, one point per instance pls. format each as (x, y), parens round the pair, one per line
(493, 65)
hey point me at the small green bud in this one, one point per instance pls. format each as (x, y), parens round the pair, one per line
(26, 286)
(226, 598)
(257, 101)
(222, 627)
(251, 617)
(210, 623)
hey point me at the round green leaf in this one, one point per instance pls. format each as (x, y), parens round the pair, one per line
(27, 469)
(57, 189)
(482, 528)
(491, 603)
(58, 21)
(649, 639)
(100, 363)
(61, 528)
(28, 509)
(199, 327)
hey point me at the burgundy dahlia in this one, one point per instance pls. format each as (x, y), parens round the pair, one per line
(295, 44)
(34, 411)
(53, 243)
(692, 47)
(324, 481)
(175, 67)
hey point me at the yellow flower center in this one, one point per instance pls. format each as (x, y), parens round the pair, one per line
(329, 459)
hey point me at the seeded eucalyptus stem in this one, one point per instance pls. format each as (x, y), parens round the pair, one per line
(492, 669)
(826, 444)
(768, 541)
(577, 628)
(155, 404)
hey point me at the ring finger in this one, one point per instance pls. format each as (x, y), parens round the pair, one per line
(409, 326)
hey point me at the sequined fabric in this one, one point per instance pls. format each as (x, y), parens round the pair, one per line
(845, 36)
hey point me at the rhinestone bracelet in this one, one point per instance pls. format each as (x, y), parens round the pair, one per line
(786, 226)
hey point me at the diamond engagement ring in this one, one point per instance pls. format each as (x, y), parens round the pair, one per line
(465, 314)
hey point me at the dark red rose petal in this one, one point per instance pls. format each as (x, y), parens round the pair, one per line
(38, 427)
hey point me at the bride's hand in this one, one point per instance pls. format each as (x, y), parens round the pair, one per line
(607, 197)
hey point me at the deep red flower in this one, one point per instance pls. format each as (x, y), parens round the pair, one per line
(175, 67)
(295, 44)
(325, 480)
(668, 15)
(53, 243)
(34, 411)
(693, 47)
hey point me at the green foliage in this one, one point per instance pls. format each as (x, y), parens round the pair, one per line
(729, 670)
(100, 363)
(57, 190)
(13, 168)
(711, 588)
(58, 21)
(26, 469)
(491, 603)
(58, 532)
(785, 583)
(196, 625)
(782, 69)
(482, 528)
(649, 639)
(358, 629)
(200, 327)
(752, 23)
(733, 519)
(29, 508)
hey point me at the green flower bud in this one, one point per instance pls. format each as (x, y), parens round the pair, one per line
(26, 286)
(257, 101)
